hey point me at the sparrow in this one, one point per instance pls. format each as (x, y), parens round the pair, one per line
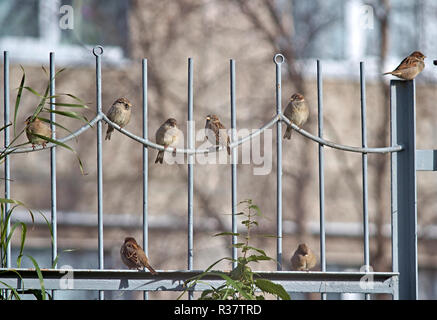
(119, 113)
(37, 127)
(167, 135)
(303, 258)
(133, 256)
(297, 112)
(410, 67)
(215, 132)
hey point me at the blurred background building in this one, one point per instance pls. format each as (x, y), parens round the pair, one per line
(340, 33)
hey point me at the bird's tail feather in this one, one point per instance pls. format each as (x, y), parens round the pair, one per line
(108, 133)
(287, 134)
(160, 157)
(152, 271)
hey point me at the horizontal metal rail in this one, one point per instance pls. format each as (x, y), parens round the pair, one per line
(150, 144)
(173, 280)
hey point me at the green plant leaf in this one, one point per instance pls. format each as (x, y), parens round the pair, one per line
(18, 99)
(69, 105)
(273, 288)
(235, 284)
(257, 250)
(13, 290)
(64, 146)
(256, 258)
(56, 124)
(40, 277)
(257, 209)
(70, 114)
(226, 234)
(23, 239)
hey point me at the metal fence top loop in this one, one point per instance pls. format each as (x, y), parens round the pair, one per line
(98, 50)
(278, 58)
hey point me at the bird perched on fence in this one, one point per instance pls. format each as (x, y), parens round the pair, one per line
(297, 112)
(37, 127)
(133, 256)
(215, 132)
(303, 258)
(119, 113)
(168, 135)
(410, 67)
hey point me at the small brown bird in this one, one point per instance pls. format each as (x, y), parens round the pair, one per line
(303, 258)
(216, 133)
(37, 127)
(133, 255)
(119, 113)
(297, 112)
(167, 135)
(410, 67)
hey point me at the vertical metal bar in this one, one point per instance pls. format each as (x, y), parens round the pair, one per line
(145, 166)
(321, 171)
(53, 198)
(7, 162)
(364, 171)
(404, 198)
(99, 164)
(279, 164)
(234, 163)
(394, 188)
(190, 167)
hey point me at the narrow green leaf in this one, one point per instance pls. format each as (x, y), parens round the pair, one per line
(256, 258)
(42, 102)
(74, 97)
(56, 124)
(69, 114)
(257, 250)
(70, 105)
(226, 234)
(36, 93)
(45, 70)
(40, 277)
(5, 126)
(59, 71)
(53, 141)
(64, 146)
(23, 239)
(14, 291)
(18, 99)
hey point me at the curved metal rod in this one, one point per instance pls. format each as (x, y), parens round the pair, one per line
(153, 145)
(148, 143)
(63, 140)
(340, 146)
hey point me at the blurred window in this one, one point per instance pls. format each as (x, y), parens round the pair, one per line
(29, 29)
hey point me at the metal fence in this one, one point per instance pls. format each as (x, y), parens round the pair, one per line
(401, 282)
